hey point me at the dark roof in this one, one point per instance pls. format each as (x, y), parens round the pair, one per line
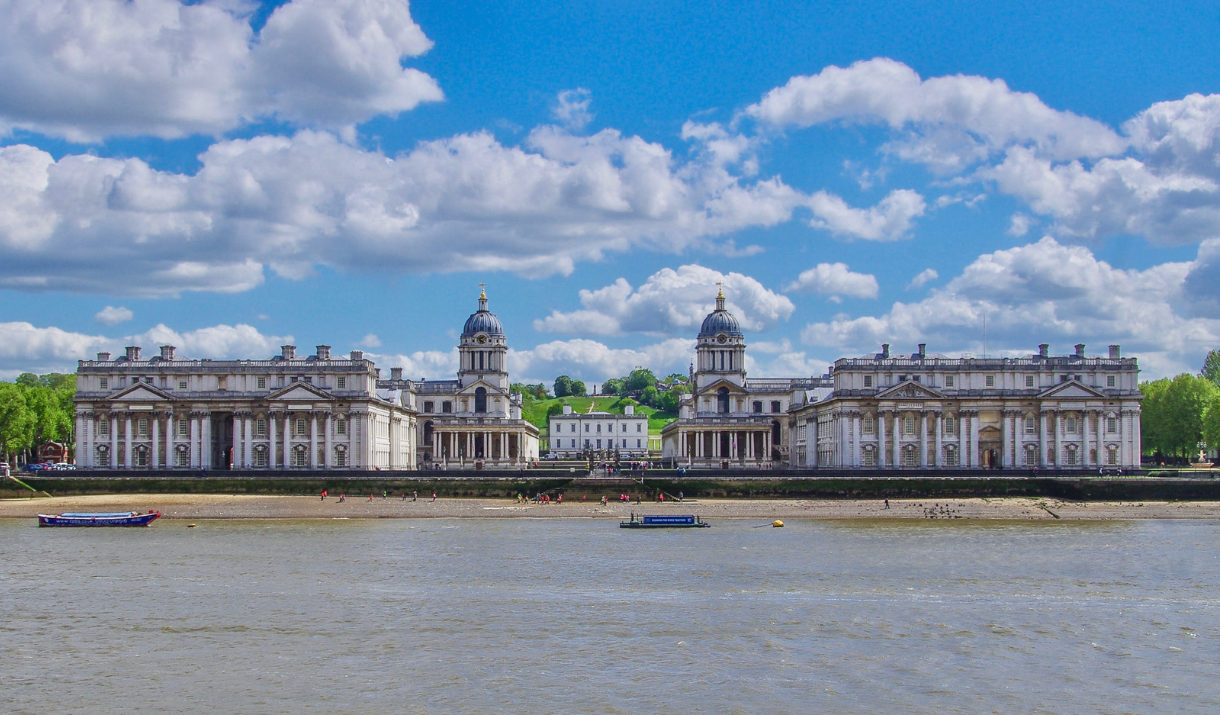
(720, 321)
(482, 321)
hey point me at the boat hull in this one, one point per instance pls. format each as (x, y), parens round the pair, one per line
(666, 521)
(132, 519)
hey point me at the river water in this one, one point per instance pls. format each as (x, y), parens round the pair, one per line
(577, 616)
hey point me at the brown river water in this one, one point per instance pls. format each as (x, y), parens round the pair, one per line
(578, 616)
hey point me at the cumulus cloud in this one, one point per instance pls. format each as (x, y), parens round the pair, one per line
(370, 341)
(835, 279)
(118, 226)
(1045, 292)
(27, 348)
(889, 220)
(670, 302)
(923, 278)
(590, 360)
(572, 109)
(421, 364)
(113, 316)
(88, 69)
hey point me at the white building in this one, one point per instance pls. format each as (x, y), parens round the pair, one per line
(730, 420)
(286, 412)
(1048, 411)
(579, 435)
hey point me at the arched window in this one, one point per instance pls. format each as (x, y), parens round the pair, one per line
(480, 399)
(427, 434)
(722, 400)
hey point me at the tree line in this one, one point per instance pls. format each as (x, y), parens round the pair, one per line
(35, 410)
(1180, 413)
(641, 384)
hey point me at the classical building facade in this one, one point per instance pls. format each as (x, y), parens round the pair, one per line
(917, 410)
(730, 420)
(301, 412)
(287, 412)
(599, 435)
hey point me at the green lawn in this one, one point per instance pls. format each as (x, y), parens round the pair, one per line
(535, 410)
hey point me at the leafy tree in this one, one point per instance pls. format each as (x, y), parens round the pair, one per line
(1172, 413)
(1211, 367)
(613, 386)
(563, 386)
(16, 421)
(554, 409)
(648, 396)
(670, 399)
(639, 378)
(1153, 433)
(1211, 423)
(677, 377)
(579, 389)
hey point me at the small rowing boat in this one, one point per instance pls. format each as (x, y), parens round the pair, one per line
(667, 521)
(116, 518)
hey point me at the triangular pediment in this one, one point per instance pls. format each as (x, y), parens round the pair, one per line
(470, 389)
(909, 390)
(141, 392)
(734, 388)
(1071, 390)
(299, 391)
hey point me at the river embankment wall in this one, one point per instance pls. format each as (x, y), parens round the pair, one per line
(709, 484)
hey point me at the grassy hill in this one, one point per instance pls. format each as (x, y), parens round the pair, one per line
(535, 410)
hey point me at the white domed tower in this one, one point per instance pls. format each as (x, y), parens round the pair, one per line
(721, 348)
(483, 349)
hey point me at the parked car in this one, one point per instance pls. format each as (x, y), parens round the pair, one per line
(4, 469)
(63, 466)
(35, 467)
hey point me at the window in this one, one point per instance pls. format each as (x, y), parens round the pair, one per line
(722, 400)
(141, 456)
(610, 427)
(586, 428)
(301, 431)
(908, 425)
(1071, 454)
(1029, 380)
(599, 431)
(1064, 378)
(869, 425)
(341, 383)
(991, 381)
(260, 457)
(260, 427)
(184, 428)
(182, 458)
(950, 457)
(103, 427)
(902, 378)
(868, 380)
(148, 381)
(429, 406)
(1030, 426)
(142, 426)
(446, 407)
(916, 378)
(599, 444)
(949, 380)
(1111, 424)
(260, 383)
(775, 406)
(340, 458)
(480, 399)
(1111, 381)
(757, 405)
(950, 425)
(1112, 456)
(103, 384)
(639, 427)
(299, 457)
(870, 458)
(182, 383)
(573, 429)
(637, 444)
(1071, 425)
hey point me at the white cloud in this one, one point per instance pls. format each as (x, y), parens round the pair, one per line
(958, 118)
(923, 278)
(835, 279)
(421, 364)
(113, 316)
(370, 341)
(889, 220)
(87, 69)
(572, 108)
(28, 348)
(117, 226)
(1046, 292)
(1019, 225)
(670, 302)
(593, 361)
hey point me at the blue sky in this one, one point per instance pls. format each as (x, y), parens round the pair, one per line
(227, 176)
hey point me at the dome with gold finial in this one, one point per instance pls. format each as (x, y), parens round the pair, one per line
(720, 321)
(482, 321)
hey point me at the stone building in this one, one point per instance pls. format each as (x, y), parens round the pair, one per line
(599, 435)
(730, 420)
(918, 410)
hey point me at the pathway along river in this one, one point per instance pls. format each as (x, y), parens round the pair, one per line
(578, 616)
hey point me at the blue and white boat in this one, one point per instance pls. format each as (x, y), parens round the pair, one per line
(114, 518)
(666, 521)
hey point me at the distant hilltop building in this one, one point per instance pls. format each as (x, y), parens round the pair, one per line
(917, 410)
(301, 412)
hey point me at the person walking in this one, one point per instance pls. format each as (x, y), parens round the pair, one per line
(414, 496)
(433, 496)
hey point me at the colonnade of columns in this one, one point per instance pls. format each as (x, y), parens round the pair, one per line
(462, 446)
(750, 445)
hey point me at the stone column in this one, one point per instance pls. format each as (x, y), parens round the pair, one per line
(205, 439)
(962, 460)
(1058, 439)
(1086, 419)
(1006, 437)
(857, 436)
(156, 440)
(880, 462)
(127, 441)
(923, 439)
(939, 456)
(288, 430)
(313, 440)
(327, 451)
(271, 451)
(897, 437)
(1041, 437)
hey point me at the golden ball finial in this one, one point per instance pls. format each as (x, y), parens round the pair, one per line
(482, 292)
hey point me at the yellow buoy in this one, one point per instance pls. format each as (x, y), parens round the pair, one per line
(777, 523)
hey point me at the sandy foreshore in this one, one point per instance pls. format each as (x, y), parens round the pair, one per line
(216, 506)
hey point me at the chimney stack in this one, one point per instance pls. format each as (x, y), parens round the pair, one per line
(288, 352)
(323, 352)
(133, 352)
(1115, 352)
(103, 357)
(885, 351)
(357, 355)
(1044, 350)
(396, 373)
(923, 348)
(1079, 350)
(167, 352)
